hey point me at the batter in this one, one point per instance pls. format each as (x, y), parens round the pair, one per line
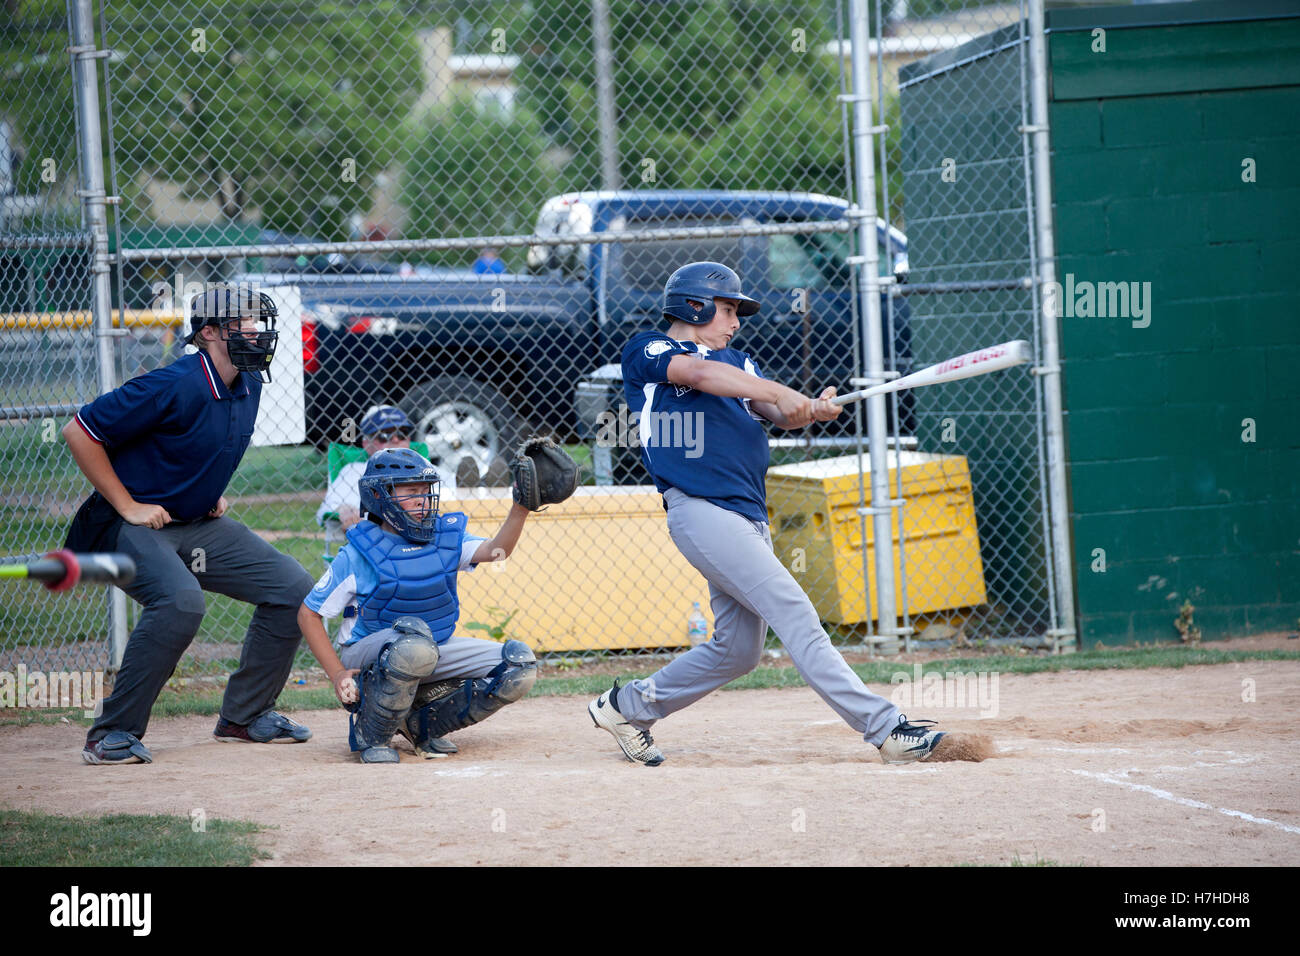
(714, 491)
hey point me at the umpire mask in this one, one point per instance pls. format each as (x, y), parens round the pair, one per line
(228, 307)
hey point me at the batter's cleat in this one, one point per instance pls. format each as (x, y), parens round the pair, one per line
(910, 742)
(637, 745)
(380, 755)
(117, 746)
(265, 729)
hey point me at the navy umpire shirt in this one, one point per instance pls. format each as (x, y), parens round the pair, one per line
(175, 435)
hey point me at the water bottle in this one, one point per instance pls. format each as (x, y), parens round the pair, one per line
(697, 628)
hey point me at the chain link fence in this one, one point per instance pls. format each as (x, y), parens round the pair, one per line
(465, 209)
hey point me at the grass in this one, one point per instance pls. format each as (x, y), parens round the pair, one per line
(277, 471)
(28, 616)
(880, 672)
(44, 839)
(207, 702)
(30, 459)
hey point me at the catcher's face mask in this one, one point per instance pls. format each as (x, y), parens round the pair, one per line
(418, 501)
(411, 509)
(401, 488)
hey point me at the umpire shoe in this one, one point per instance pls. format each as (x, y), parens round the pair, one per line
(266, 729)
(909, 742)
(117, 746)
(638, 746)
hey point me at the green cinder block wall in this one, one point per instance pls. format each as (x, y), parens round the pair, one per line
(976, 229)
(1184, 435)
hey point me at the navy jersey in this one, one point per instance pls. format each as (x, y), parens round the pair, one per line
(176, 435)
(705, 445)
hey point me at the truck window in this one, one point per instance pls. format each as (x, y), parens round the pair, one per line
(647, 264)
(815, 261)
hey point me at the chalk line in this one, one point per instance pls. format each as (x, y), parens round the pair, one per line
(1184, 801)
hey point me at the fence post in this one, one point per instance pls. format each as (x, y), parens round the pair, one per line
(609, 178)
(868, 261)
(94, 205)
(1063, 633)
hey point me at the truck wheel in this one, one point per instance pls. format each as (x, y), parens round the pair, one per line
(458, 417)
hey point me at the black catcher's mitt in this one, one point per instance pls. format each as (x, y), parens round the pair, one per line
(544, 473)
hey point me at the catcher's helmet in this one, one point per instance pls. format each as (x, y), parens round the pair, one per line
(702, 282)
(225, 306)
(400, 466)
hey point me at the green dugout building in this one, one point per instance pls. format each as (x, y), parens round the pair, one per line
(1175, 132)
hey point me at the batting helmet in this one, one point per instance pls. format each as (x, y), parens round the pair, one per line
(702, 282)
(400, 466)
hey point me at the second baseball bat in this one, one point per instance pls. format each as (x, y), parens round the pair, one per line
(979, 362)
(60, 570)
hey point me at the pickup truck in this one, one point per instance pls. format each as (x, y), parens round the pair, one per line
(479, 361)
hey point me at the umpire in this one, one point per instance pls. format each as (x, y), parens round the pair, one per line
(160, 450)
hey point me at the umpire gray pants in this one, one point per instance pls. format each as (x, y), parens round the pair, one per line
(750, 589)
(174, 566)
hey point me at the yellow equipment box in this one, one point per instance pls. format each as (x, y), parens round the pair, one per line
(817, 533)
(598, 571)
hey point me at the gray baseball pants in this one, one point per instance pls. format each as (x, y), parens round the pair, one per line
(750, 589)
(458, 657)
(174, 566)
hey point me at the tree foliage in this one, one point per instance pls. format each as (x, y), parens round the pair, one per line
(288, 112)
(36, 100)
(473, 172)
(289, 109)
(692, 78)
(293, 110)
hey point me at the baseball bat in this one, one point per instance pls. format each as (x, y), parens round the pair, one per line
(61, 570)
(980, 362)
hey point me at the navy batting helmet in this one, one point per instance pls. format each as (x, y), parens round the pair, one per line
(400, 466)
(702, 282)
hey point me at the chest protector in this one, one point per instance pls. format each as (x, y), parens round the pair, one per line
(418, 579)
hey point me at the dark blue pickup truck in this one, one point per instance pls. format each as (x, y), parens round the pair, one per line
(479, 360)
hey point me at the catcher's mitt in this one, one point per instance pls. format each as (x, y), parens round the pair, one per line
(544, 473)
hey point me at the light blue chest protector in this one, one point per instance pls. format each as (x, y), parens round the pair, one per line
(417, 579)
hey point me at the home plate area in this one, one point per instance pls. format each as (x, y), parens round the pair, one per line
(1116, 767)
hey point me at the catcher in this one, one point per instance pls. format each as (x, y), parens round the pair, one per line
(399, 606)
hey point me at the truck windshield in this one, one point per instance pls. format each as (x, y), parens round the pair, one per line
(647, 264)
(816, 261)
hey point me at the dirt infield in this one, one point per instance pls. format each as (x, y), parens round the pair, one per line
(1159, 767)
